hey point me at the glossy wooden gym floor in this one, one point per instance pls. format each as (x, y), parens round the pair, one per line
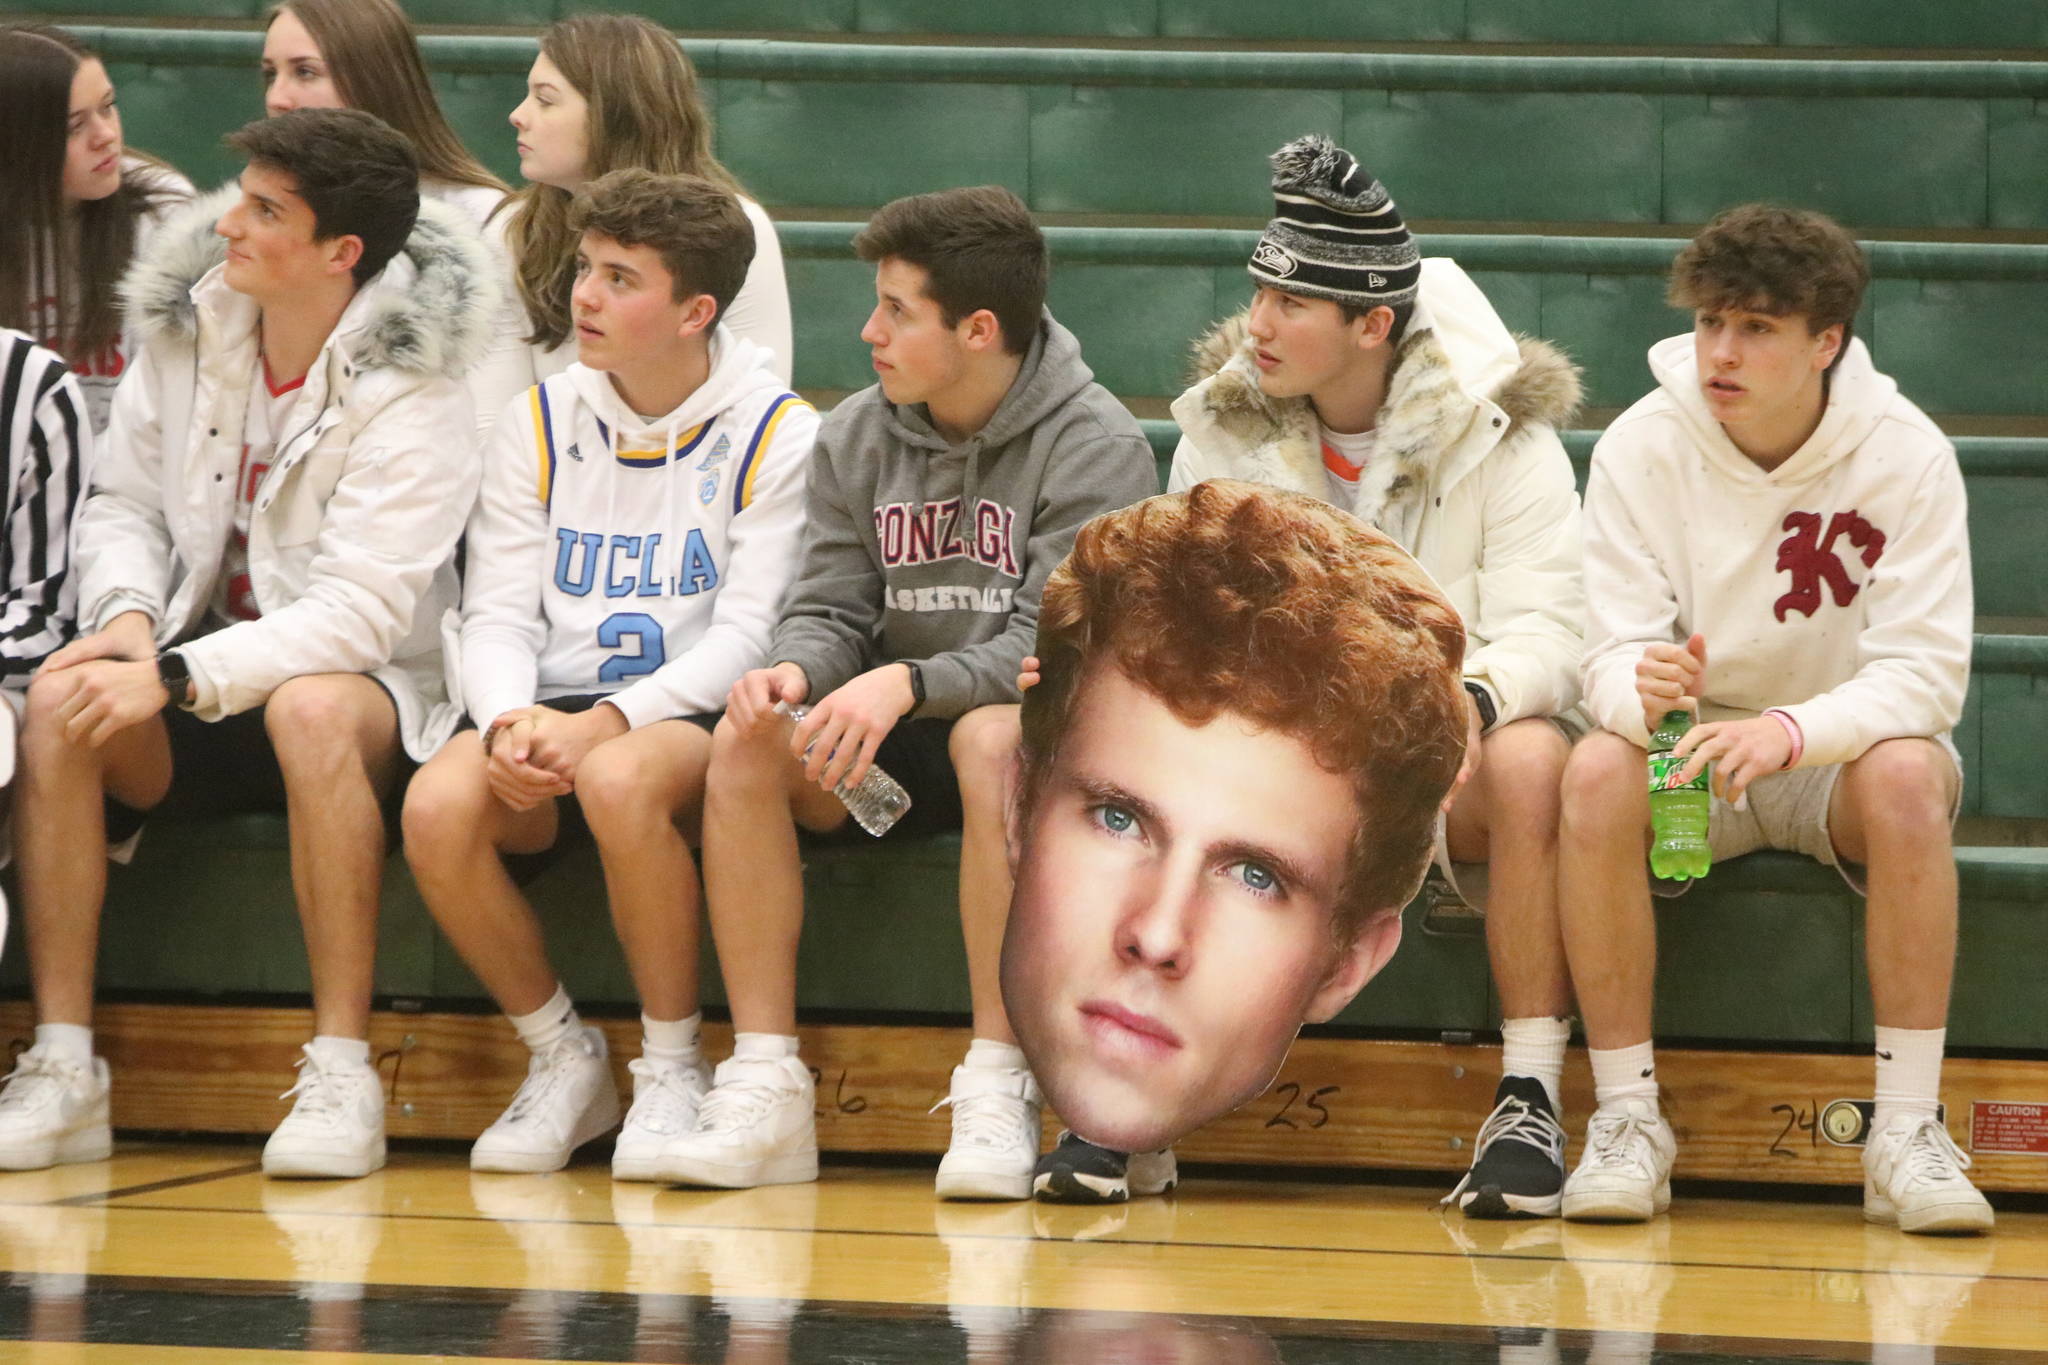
(184, 1252)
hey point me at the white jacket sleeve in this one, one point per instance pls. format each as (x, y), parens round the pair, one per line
(503, 630)
(1914, 650)
(1532, 601)
(1191, 466)
(389, 525)
(764, 542)
(1630, 604)
(123, 548)
(761, 311)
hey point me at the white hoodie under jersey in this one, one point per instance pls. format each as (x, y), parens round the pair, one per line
(1835, 587)
(608, 553)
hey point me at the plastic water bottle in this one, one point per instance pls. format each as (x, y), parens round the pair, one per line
(1678, 811)
(877, 803)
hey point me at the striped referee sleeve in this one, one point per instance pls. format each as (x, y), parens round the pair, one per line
(49, 448)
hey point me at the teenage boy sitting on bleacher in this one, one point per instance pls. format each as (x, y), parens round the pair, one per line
(939, 501)
(638, 525)
(1775, 535)
(264, 561)
(1386, 384)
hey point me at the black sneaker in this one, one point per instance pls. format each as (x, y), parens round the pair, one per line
(1076, 1171)
(1518, 1164)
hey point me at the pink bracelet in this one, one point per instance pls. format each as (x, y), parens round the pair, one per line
(1792, 732)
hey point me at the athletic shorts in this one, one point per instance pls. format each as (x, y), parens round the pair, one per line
(916, 754)
(1469, 880)
(1789, 811)
(571, 829)
(224, 767)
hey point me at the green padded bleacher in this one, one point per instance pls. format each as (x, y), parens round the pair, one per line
(1957, 24)
(1955, 323)
(1953, 146)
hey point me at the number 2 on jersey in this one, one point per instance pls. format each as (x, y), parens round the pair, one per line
(613, 633)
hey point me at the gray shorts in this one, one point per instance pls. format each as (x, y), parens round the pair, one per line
(1789, 811)
(1469, 880)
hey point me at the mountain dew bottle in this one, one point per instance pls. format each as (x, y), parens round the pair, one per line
(1678, 811)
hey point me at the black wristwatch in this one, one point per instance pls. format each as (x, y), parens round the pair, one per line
(175, 674)
(1483, 699)
(916, 684)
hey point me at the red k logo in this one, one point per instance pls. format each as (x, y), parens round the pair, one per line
(1812, 560)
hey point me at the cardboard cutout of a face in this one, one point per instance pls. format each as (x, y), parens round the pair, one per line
(1201, 867)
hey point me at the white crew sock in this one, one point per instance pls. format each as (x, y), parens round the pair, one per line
(340, 1051)
(1623, 1073)
(986, 1052)
(549, 1024)
(73, 1042)
(1535, 1046)
(764, 1045)
(1908, 1072)
(673, 1041)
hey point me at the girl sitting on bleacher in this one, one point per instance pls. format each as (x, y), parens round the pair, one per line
(79, 203)
(610, 91)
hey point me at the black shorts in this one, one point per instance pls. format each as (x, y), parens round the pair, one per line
(571, 829)
(228, 767)
(915, 753)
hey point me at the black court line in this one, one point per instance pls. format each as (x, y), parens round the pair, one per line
(464, 1321)
(1283, 1247)
(174, 1183)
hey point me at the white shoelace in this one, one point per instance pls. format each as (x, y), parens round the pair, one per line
(1621, 1142)
(1518, 1119)
(659, 1105)
(547, 1073)
(38, 1080)
(1930, 1156)
(986, 1120)
(733, 1106)
(320, 1089)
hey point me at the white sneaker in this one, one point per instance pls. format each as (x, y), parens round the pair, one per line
(754, 1127)
(337, 1127)
(1624, 1175)
(1913, 1176)
(568, 1099)
(995, 1134)
(53, 1111)
(665, 1100)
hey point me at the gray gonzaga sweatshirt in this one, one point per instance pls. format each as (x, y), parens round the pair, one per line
(917, 550)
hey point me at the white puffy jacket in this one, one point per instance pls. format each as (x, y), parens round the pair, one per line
(353, 532)
(1467, 474)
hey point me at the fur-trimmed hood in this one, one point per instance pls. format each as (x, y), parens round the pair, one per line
(1457, 365)
(427, 313)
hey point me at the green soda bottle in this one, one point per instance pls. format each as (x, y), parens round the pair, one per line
(1678, 812)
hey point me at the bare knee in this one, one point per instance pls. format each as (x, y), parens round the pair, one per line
(327, 720)
(1524, 763)
(1605, 789)
(624, 787)
(983, 747)
(42, 724)
(748, 766)
(447, 803)
(1902, 788)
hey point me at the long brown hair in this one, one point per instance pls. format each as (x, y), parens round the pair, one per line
(644, 111)
(375, 63)
(79, 254)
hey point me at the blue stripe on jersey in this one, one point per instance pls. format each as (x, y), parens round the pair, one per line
(743, 476)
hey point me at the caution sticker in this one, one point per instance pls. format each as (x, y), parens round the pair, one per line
(2009, 1126)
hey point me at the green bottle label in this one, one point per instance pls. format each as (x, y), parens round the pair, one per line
(1664, 771)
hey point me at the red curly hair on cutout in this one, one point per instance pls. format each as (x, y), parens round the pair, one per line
(1275, 606)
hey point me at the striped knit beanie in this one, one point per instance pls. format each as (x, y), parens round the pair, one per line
(1335, 232)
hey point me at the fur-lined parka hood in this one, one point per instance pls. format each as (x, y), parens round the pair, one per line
(427, 313)
(1458, 364)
